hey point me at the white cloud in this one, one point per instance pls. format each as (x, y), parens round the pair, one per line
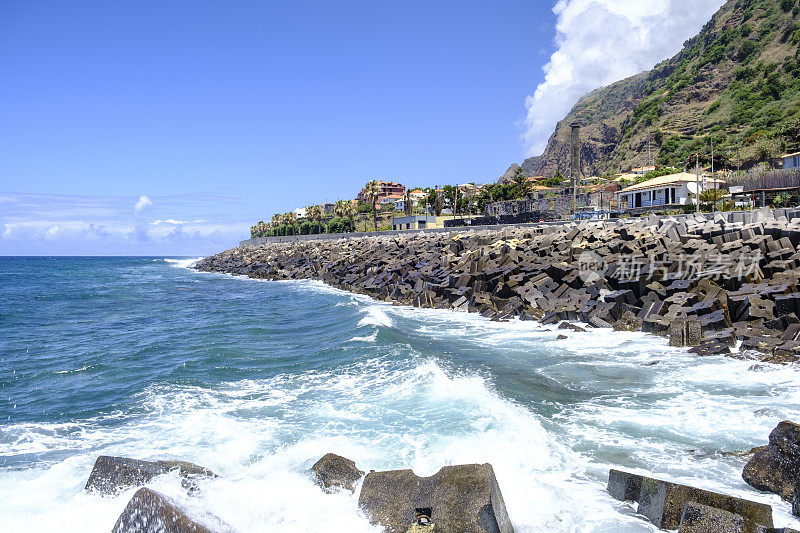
(34, 224)
(176, 222)
(599, 42)
(143, 202)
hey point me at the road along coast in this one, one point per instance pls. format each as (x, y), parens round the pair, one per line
(721, 284)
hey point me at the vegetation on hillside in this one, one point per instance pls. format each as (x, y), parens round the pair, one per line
(735, 86)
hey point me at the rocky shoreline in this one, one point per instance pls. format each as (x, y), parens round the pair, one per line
(721, 284)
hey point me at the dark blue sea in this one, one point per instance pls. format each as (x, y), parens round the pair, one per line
(146, 358)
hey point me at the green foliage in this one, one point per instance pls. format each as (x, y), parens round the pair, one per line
(664, 171)
(713, 107)
(555, 181)
(645, 113)
(787, 5)
(786, 199)
(747, 49)
(674, 151)
(339, 225)
(306, 228)
(709, 197)
(500, 193)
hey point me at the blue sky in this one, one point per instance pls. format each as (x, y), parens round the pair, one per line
(222, 113)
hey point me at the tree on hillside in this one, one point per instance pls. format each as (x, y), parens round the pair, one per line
(523, 184)
(372, 190)
(555, 181)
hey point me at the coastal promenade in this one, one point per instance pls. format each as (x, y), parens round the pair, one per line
(712, 282)
(356, 235)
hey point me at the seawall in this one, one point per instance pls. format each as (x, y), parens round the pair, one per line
(712, 282)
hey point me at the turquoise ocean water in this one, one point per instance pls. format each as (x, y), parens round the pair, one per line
(143, 357)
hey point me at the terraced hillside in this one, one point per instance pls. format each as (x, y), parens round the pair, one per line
(737, 83)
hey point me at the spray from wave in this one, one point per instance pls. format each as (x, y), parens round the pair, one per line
(183, 263)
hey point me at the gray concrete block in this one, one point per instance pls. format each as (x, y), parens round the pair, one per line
(459, 498)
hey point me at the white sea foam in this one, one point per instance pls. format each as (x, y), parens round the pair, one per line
(624, 400)
(417, 416)
(367, 338)
(375, 315)
(183, 263)
(81, 369)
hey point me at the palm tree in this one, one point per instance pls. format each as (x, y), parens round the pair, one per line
(289, 220)
(712, 196)
(340, 209)
(349, 211)
(315, 212)
(276, 220)
(372, 190)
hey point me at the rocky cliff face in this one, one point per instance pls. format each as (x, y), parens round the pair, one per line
(737, 82)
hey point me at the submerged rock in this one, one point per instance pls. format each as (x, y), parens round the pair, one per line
(334, 471)
(149, 511)
(776, 467)
(112, 474)
(457, 499)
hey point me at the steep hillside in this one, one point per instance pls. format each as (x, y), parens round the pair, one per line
(736, 83)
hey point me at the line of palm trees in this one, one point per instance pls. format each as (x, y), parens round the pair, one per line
(314, 213)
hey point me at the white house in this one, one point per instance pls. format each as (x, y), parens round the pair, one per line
(664, 190)
(390, 201)
(418, 195)
(791, 160)
(641, 171)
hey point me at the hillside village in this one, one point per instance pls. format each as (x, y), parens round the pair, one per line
(517, 198)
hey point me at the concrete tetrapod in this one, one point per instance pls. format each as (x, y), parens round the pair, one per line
(457, 499)
(663, 502)
(149, 511)
(112, 474)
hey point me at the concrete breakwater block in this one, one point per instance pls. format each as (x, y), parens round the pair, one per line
(457, 499)
(663, 502)
(698, 518)
(334, 472)
(149, 511)
(776, 467)
(112, 474)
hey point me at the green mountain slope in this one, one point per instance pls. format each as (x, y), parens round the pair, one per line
(737, 84)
